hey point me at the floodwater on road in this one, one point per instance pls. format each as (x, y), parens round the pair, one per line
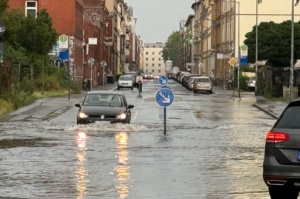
(213, 148)
(106, 160)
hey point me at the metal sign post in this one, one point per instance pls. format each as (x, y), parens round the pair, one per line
(91, 62)
(103, 64)
(164, 97)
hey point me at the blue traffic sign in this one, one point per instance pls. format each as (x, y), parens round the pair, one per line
(164, 97)
(163, 80)
(63, 54)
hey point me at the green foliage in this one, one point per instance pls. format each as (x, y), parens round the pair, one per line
(243, 82)
(274, 43)
(75, 87)
(172, 48)
(3, 6)
(40, 36)
(247, 69)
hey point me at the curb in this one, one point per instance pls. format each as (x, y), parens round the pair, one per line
(267, 112)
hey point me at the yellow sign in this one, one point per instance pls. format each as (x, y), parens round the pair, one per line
(232, 62)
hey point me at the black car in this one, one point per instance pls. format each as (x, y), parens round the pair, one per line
(104, 106)
(281, 167)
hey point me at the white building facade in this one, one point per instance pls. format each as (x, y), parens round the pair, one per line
(152, 58)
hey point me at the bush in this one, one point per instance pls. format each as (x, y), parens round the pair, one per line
(75, 86)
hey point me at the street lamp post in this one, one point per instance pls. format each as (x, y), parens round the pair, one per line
(292, 56)
(256, 44)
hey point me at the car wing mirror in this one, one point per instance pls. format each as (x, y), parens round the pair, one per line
(130, 106)
(77, 105)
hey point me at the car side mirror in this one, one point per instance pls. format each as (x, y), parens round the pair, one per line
(130, 106)
(77, 105)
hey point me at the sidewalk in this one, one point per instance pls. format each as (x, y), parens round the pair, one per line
(272, 108)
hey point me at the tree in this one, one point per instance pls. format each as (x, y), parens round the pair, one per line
(274, 43)
(3, 6)
(39, 37)
(172, 48)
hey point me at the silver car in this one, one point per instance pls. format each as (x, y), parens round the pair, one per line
(190, 83)
(125, 81)
(203, 83)
(251, 83)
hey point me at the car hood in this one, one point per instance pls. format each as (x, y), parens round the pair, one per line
(102, 110)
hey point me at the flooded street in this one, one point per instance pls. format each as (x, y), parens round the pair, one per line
(213, 148)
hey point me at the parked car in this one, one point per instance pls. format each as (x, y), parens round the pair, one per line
(125, 81)
(104, 106)
(148, 76)
(251, 83)
(203, 83)
(133, 74)
(190, 82)
(281, 166)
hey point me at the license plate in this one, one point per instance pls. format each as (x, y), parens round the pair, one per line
(298, 157)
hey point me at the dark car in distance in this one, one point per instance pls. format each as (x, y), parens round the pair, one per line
(104, 106)
(281, 166)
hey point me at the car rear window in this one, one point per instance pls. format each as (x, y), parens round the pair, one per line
(125, 78)
(290, 119)
(203, 80)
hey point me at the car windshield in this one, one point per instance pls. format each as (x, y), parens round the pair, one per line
(203, 80)
(103, 100)
(125, 78)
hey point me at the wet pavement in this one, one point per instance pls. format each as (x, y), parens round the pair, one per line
(213, 148)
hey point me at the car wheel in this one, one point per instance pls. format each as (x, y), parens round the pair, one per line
(131, 88)
(194, 91)
(283, 192)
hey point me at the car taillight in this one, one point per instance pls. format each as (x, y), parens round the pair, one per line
(277, 137)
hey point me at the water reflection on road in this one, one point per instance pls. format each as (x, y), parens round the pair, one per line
(81, 172)
(122, 168)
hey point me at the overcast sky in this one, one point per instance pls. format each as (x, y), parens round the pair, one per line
(157, 19)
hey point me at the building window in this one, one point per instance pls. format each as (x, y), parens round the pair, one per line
(159, 71)
(31, 8)
(159, 53)
(146, 59)
(153, 46)
(152, 53)
(153, 71)
(153, 65)
(146, 65)
(146, 70)
(152, 59)
(159, 59)
(159, 65)
(146, 53)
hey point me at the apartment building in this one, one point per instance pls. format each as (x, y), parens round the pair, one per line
(153, 60)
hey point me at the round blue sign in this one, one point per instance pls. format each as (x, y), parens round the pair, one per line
(163, 80)
(164, 97)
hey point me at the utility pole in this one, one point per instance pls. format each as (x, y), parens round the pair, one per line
(292, 56)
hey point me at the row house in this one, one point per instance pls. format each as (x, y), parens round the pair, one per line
(213, 44)
(96, 30)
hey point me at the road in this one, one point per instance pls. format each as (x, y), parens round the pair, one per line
(213, 148)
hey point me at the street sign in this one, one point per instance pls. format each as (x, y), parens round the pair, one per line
(2, 28)
(164, 97)
(232, 62)
(244, 61)
(163, 80)
(103, 64)
(244, 51)
(63, 42)
(63, 54)
(91, 61)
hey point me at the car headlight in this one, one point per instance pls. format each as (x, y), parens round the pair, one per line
(82, 115)
(122, 116)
